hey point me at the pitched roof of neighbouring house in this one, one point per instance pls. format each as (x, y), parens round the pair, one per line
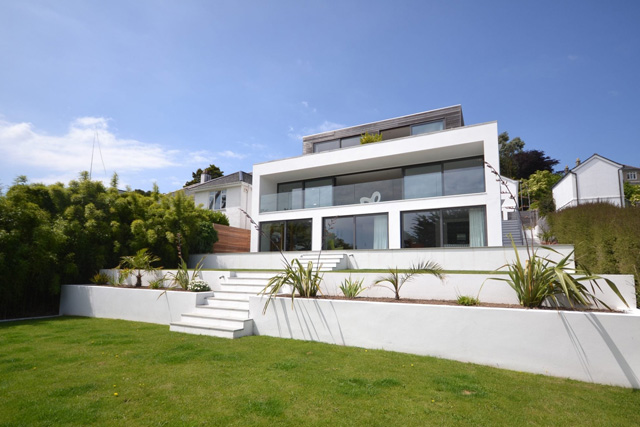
(232, 178)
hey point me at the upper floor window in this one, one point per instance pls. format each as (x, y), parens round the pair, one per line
(632, 175)
(427, 127)
(334, 144)
(218, 200)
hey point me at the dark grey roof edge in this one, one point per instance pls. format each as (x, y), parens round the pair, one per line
(239, 176)
(457, 107)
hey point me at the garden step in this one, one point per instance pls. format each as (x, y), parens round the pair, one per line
(215, 321)
(228, 303)
(249, 289)
(253, 275)
(255, 281)
(235, 295)
(222, 332)
(235, 313)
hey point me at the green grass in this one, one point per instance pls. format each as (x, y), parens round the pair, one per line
(65, 371)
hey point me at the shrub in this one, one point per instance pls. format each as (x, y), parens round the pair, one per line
(138, 263)
(368, 138)
(100, 279)
(605, 237)
(303, 280)
(397, 279)
(542, 280)
(181, 277)
(198, 286)
(467, 300)
(352, 288)
(157, 283)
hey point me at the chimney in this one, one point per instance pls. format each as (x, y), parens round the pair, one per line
(578, 161)
(204, 177)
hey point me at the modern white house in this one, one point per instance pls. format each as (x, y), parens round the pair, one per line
(227, 194)
(597, 179)
(424, 184)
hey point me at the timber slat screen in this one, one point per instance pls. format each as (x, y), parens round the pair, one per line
(232, 239)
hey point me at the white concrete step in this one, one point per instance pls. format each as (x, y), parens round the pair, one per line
(222, 332)
(249, 289)
(235, 295)
(235, 313)
(215, 321)
(228, 303)
(257, 281)
(254, 275)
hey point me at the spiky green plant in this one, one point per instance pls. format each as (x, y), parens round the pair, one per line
(304, 281)
(541, 280)
(395, 279)
(351, 288)
(140, 262)
(100, 279)
(181, 277)
(467, 300)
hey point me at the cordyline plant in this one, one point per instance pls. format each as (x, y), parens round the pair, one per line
(303, 280)
(395, 279)
(136, 264)
(541, 279)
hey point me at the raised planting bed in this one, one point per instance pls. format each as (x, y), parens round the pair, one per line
(587, 346)
(138, 304)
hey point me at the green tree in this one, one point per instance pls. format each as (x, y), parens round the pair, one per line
(508, 150)
(632, 193)
(538, 189)
(212, 170)
(518, 163)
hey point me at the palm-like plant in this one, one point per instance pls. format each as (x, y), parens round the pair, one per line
(395, 279)
(541, 279)
(181, 277)
(304, 281)
(138, 263)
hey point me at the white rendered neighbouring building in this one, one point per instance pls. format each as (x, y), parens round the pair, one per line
(424, 185)
(228, 194)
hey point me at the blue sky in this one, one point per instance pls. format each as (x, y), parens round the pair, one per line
(170, 86)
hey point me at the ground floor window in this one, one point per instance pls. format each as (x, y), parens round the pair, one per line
(293, 235)
(355, 232)
(218, 200)
(444, 227)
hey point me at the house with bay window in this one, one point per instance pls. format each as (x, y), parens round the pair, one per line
(424, 184)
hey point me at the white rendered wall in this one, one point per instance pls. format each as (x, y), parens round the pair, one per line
(594, 347)
(564, 192)
(444, 145)
(468, 259)
(140, 305)
(238, 197)
(599, 180)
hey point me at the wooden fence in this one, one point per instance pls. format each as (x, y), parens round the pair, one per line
(232, 239)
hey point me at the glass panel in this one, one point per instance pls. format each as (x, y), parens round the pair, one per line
(464, 176)
(396, 133)
(294, 193)
(352, 141)
(421, 229)
(371, 232)
(338, 233)
(325, 146)
(318, 193)
(427, 127)
(423, 181)
(212, 198)
(269, 202)
(455, 227)
(223, 199)
(298, 235)
(271, 236)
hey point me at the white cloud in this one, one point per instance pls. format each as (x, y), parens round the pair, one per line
(325, 126)
(232, 155)
(305, 104)
(59, 157)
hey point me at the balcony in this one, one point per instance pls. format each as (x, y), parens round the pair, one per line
(339, 195)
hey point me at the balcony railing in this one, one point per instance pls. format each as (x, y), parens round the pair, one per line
(340, 195)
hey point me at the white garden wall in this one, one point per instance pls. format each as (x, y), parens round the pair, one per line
(595, 347)
(140, 305)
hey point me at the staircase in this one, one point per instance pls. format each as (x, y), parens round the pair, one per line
(328, 261)
(226, 314)
(514, 228)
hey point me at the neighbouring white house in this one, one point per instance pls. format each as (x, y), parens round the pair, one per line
(424, 184)
(227, 194)
(597, 179)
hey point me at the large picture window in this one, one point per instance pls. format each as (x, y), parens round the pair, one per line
(355, 232)
(459, 227)
(293, 235)
(218, 200)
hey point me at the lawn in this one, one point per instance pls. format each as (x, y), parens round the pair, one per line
(79, 371)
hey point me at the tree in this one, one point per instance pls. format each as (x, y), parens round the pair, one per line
(538, 189)
(518, 163)
(508, 149)
(632, 193)
(212, 170)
